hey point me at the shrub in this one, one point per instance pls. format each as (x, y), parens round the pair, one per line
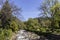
(5, 34)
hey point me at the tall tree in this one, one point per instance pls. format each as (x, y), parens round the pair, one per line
(56, 16)
(45, 7)
(51, 8)
(7, 12)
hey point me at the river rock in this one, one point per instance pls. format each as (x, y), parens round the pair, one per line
(25, 35)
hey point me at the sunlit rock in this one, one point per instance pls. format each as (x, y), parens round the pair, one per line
(25, 35)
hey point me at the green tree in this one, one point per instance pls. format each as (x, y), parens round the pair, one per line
(8, 22)
(51, 9)
(6, 15)
(45, 7)
(32, 25)
(56, 16)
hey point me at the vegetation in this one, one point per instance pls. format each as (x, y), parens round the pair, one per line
(49, 22)
(8, 22)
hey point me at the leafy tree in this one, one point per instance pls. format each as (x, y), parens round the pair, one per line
(51, 9)
(45, 7)
(32, 25)
(56, 12)
(7, 12)
(8, 22)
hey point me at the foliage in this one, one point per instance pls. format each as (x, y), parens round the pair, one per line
(49, 22)
(32, 24)
(8, 22)
(56, 16)
(35, 25)
(14, 26)
(5, 34)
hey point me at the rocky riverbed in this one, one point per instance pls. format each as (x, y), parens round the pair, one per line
(25, 35)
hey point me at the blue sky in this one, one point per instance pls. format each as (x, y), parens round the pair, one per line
(29, 8)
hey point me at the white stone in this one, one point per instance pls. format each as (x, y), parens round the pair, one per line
(24, 35)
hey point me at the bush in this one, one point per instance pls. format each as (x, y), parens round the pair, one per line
(14, 26)
(5, 34)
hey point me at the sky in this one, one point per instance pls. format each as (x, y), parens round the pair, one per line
(29, 8)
